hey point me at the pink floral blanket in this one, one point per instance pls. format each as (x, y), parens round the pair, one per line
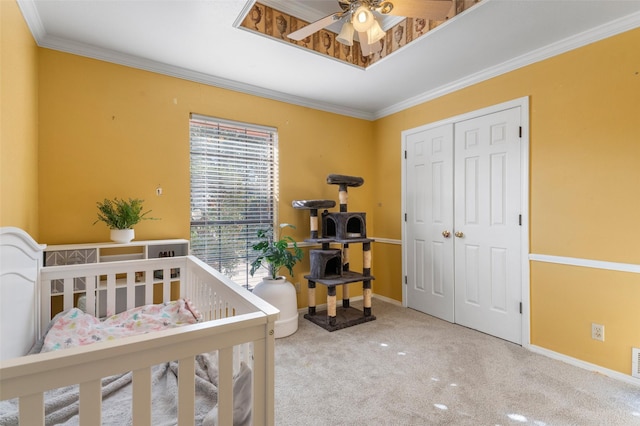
(75, 328)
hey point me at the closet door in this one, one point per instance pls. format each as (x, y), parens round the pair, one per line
(487, 224)
(463, 194)
(429, 201)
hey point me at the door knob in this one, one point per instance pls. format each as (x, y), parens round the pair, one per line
(446, 234)
(459, 234)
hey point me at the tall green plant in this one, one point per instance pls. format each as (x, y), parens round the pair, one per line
(274, 252)
(120, 213)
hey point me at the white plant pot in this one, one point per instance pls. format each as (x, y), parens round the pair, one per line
(122, 235)
(281, 294)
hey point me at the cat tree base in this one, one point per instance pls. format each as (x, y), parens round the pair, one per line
(338, 317)
(345, 317)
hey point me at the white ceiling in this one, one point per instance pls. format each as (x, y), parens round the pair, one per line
(198, 40)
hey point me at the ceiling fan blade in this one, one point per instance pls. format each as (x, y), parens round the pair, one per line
(307, 30)
(366, 48)
(436, 10)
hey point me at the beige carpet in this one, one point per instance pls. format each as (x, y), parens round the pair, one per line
(408, 368)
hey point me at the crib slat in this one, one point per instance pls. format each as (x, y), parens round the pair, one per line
(260, 405)
(45, 306)
(186, 391)
(111, 294)
(90, 402)
(142, 397)
(90, 294)
(32, 409)
(148, 287)
(166, 285)
(182, 283)
(131, 290)
(67, 295)
(225, 386)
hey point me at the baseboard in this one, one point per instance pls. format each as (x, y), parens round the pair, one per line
(584, 365)
(387, 299)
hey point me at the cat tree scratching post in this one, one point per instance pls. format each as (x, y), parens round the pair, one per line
(330, 267)
(313, 206)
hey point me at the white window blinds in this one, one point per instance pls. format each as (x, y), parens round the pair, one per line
(233, 184)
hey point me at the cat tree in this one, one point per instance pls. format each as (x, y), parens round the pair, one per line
(330, 266)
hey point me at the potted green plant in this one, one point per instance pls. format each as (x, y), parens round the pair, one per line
(274, 253)
(120, 216)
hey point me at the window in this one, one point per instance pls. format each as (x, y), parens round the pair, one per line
(233, 185)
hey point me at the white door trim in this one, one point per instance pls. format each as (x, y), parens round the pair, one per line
(523, 103)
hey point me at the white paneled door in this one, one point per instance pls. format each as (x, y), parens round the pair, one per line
(429, 205)
(463, 233)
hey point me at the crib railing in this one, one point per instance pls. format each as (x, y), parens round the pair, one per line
(104, 289)
(234, 318)
(29, 377)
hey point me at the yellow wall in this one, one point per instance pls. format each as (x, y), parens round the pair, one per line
(107, 130)
(584, 190)
(567, 299)
(18, 122)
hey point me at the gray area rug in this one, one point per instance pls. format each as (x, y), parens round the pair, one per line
(409, 368)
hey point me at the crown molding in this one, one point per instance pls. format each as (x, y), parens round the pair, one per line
(591, 36)
(32, 18)
(111, 56)
(43, 40)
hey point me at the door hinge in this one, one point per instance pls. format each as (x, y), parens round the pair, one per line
(405, 280)
(520, 219)
(405, 217)
(520, 307)
(519, 132)
(405, 154)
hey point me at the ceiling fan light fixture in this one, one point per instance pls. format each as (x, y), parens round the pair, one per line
(375, 33)
(362, 19)
(346, 34)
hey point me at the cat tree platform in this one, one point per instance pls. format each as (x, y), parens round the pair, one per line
(338, 317)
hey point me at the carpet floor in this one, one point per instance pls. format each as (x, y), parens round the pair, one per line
(409, 368)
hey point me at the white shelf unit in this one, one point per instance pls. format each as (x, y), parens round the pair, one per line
(72, 254)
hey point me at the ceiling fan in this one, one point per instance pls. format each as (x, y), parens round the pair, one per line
(359, 17)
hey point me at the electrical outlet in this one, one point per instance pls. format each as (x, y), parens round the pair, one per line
(597, 332)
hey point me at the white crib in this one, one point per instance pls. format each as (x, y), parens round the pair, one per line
(237, 324)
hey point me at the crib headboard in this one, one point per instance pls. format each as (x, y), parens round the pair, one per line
(20, 263)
